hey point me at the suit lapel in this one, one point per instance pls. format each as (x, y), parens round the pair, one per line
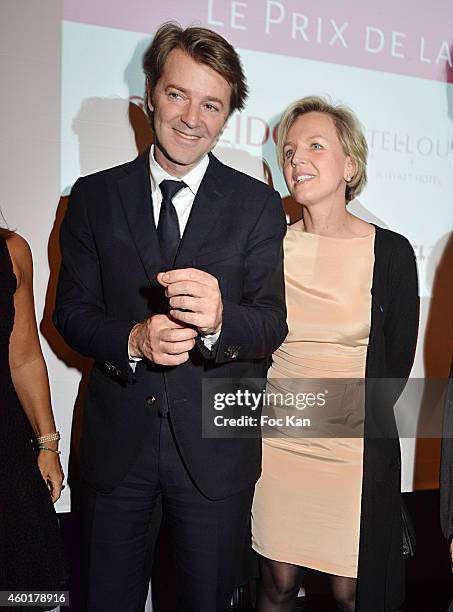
(209, 204)
(136, 200)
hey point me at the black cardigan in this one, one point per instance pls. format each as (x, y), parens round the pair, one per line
(391, 349)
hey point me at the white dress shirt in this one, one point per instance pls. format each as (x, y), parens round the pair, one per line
(183, 202)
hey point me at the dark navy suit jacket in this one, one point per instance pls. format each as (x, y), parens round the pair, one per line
(110, 258)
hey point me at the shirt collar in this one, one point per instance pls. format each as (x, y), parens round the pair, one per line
(192, 179)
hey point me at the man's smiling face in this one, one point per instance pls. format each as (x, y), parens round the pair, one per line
(191, 103)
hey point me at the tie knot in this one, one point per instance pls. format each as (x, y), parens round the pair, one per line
(170, 188)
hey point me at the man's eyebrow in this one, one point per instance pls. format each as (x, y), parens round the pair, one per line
(186, 91)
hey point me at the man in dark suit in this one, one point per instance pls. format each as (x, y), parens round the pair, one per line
(165, 283)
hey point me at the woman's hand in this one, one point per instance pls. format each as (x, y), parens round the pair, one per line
(52, 472)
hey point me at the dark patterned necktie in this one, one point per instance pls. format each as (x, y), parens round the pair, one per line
(168, 226)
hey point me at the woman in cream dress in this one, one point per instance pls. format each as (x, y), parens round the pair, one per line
(307, 506)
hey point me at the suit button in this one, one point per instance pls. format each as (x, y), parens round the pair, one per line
(150, 400)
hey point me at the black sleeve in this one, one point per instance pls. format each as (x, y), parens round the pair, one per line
(80, 315)
(255, 328)
(401, 323)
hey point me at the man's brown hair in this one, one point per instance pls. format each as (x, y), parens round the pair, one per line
(203, 46)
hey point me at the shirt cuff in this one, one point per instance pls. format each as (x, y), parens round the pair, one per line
(132, 360)
(209, 340)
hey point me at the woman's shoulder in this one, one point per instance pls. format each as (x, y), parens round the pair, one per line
(395, 256)
(392, 240)
(20, 253)
(18, 248)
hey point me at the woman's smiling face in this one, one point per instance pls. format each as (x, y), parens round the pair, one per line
(314, 163)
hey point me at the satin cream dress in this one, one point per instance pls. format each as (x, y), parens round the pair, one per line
(306, 508)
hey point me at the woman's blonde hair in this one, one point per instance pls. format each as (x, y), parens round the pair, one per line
(349, 131)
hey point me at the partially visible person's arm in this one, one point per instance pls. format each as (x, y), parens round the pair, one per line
(446, 468)
(451, 555)
(401, 326)
(28, 369)
(80, 313)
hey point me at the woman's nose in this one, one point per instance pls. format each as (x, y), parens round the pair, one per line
(298, 158)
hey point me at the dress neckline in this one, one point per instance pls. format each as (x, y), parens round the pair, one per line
(321, 237)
